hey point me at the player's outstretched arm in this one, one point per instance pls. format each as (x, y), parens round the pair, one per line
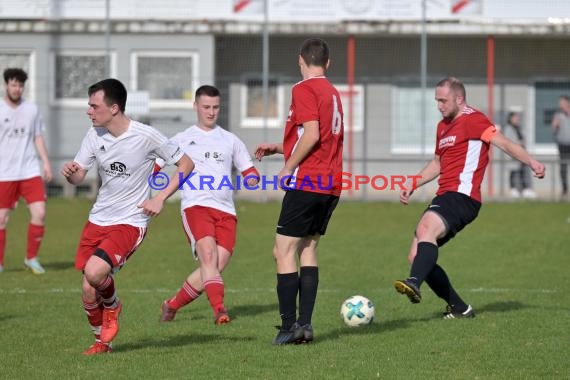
(73, 173)
(427, 174)
(267, 149)
(154, 205)
(519, 153)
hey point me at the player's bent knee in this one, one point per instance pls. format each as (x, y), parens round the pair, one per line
(97, 267)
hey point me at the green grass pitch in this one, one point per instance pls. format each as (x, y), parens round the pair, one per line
(512, 264)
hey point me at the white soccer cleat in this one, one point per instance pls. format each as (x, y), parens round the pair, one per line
(34, 266)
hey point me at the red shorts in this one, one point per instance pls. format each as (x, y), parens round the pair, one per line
(31, 189)
(200, 221)
(118, 241)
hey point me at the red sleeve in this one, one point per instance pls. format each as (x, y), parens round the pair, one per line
(304, 104)
(437, 150)
(480, 128)
(251, 172)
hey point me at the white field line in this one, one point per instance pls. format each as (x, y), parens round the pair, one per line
(257, 290)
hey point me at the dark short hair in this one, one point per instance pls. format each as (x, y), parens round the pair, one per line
(114, 92)
(15, 73)
(565, 97)
(455, 85)
(315, 52)
(207, 90)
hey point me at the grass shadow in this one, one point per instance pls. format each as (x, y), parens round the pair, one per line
(501, 307)
(373, 328)
(60, 265)
(255, 309)
(177, 341)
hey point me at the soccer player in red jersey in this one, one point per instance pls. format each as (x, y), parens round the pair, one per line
(464, 137)
(124, 151)
(21, 137)
(312, 147)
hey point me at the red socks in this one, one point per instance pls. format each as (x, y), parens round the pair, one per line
(2, 245)
(185, 295)
(35, 236)
(214, 288)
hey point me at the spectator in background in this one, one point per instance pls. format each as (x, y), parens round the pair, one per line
(21, 141)
(561, 128)
(519, 173)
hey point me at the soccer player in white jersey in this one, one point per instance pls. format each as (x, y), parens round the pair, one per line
(21, 136)
(208, 212)
(125, 151)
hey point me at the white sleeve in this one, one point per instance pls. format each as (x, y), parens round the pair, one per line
(241, 157)
(167, 150)
(39, 127)
(86, 156)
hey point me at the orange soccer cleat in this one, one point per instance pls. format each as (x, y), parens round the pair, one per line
(110, 326)
(168, 313)
(222, 317)
(98, 348)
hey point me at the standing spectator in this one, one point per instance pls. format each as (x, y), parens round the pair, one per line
(312, 147)
(561, 129)
(21, 137)
(519, 174)
(208, 211)
(124, 151)
(463, 140)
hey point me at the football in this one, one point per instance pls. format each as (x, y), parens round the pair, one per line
(357, 311)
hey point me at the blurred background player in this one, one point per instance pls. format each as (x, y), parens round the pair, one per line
(561, 129)
(312, 146)
(209, 215)
(124, 151)
(519, 175)
(21, 137)
(463, 139)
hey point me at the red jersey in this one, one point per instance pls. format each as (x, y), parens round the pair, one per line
(316, 99)
(463, 149)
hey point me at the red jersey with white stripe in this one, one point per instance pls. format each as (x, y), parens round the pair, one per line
(316, 99)
(463, 149)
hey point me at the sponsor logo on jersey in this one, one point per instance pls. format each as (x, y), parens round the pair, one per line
(447, 142)
(117, 169)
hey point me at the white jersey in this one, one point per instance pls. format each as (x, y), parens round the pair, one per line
(214, 153)
(125, 164)
(19, 128)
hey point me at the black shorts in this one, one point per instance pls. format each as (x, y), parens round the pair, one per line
(456, 210)
(305, 213)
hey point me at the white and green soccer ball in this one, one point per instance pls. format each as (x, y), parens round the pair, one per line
(357, 311)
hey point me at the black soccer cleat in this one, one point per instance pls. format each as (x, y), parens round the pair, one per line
(308, 335)
(450, 313)
(289, 336)
(410, 289)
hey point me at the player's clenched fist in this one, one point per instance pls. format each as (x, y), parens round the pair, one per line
(69, 168)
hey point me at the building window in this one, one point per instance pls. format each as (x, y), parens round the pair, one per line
(170, 78)
(75, 72)
(255, 111)
(24, 61)
(410, 133)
